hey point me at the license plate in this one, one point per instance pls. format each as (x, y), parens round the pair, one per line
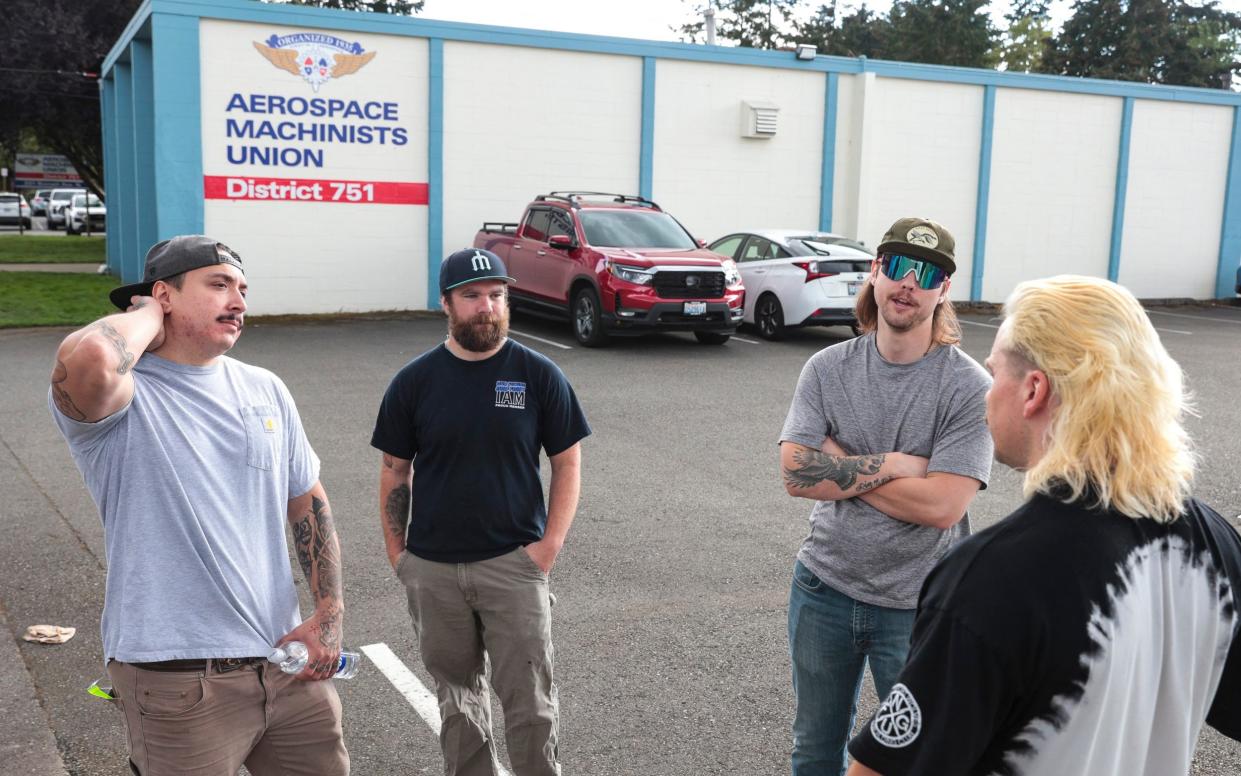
(853, 287)
(695, 308)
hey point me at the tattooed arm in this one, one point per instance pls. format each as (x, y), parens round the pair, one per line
(822, 476)
(91, 378)
(318, 552)
(396, 478)
(937, 499)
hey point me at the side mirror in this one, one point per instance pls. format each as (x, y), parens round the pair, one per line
(702, 243)
(562, 241)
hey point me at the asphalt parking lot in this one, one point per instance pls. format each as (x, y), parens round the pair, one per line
(670, 618)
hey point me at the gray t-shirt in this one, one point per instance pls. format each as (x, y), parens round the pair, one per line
(934, 408)
(192, 480)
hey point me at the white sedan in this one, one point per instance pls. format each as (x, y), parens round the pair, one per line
(797, 278)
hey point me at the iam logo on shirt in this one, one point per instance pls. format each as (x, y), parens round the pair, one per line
(315, 57)
(510, 394)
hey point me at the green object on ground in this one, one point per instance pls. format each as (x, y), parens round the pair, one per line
(16, 249)
(53, 299)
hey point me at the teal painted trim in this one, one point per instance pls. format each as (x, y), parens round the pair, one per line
(135, 29)
(435, 170)
(122, 215)
(299, 16)
(1230, 231)
(111, 185)
(178, 146)
(144, 142)
(983, 203)
(827, 174)
(646, 153)
(1122, 188)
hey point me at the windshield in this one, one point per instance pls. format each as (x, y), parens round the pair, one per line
(79, 200)
(63, 194)
(634, 229)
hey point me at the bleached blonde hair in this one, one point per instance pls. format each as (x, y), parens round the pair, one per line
(1116, 430)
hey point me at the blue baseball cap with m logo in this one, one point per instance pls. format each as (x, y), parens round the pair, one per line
(471, 265)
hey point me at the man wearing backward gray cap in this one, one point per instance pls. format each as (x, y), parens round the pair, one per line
(195, 460)
(886, 435)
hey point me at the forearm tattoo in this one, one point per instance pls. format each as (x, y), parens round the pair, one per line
(397, 510)
(318, 552)
(810, 467)
(118, 341)
(64, 402)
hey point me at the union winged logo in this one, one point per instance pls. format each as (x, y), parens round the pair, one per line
(314, 57)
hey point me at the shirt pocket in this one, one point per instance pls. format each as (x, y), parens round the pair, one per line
(263, 431)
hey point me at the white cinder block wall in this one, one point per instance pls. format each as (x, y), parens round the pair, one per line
(1053, 183)
(522, 121)
(1178, 165)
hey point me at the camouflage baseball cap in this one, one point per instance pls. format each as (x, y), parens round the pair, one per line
(921, 238)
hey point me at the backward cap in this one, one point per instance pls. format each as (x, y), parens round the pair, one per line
(921, 238)
(172, 257)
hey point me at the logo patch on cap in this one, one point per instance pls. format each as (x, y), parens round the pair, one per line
(922, 235)
(225, 255)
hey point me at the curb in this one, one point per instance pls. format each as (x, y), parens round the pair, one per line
(27, 745)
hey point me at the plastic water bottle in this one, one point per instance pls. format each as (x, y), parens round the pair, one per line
(292, 658)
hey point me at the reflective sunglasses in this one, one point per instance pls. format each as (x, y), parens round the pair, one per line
(926, 274)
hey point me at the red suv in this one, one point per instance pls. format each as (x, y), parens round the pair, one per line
(615, 265)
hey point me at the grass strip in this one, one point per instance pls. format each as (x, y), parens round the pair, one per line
(22, 249)
(53, 298)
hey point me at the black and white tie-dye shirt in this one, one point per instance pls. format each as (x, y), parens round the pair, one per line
(1066, 641)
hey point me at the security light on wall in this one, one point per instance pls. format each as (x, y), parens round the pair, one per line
(758, 119)
(806, 52)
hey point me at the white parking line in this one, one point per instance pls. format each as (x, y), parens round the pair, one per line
(540, 339)
(1195, 317)
(748, 342)
(414, 691)
(976, 323)
(1173, 331)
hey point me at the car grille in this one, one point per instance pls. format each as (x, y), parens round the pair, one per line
(689, 285)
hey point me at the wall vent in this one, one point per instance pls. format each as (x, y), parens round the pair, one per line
(758, 118)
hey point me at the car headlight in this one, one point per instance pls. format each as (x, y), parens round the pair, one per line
(732, 275)
(637, 275)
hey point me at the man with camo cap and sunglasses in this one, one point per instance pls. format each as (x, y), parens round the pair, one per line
(887, 436)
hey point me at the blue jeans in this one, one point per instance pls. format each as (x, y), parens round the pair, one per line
(831, 638)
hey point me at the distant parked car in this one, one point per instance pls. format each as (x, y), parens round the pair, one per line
(85, 209)
(14, 210)
(58, 200)
(797, 278)
(38, 202)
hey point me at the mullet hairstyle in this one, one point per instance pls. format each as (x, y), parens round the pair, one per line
(1116, 430)
(945, 329)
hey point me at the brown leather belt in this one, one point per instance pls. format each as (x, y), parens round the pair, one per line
(222, 665)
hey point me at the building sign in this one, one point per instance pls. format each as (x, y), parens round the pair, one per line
(46, 171)
(322, 126)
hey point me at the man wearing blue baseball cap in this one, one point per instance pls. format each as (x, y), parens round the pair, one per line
(886, 435)
(470, 535)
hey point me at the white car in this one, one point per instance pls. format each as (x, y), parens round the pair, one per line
(85, 212)
(14, 210)
(57, 201)
(797, 278)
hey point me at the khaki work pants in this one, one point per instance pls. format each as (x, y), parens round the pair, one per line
(466, 614)
(207, 723)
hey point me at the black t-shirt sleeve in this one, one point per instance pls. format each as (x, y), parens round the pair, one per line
(1225, 712)
(562, 423)
(941, 715)
(395, 432)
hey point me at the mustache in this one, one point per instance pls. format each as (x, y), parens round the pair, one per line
(235, 317)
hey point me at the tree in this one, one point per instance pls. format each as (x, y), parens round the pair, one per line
(1156, 41)
(862, 33)
(1021, 48)
(941, 32)
(752, 23)
(395, 7)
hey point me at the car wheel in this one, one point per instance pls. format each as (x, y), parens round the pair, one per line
(769, 317)
(711, 337)
(69, 228)
(588, 319)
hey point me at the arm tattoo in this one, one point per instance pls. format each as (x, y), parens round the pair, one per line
(64, 402)
(118, 341)
(397, 510)
(865, 486)
(318, 552)
(812, 467)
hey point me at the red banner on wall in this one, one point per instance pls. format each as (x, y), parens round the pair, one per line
(240, 187)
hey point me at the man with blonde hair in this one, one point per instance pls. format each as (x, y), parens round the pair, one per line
(886, 436)
(1093, 630)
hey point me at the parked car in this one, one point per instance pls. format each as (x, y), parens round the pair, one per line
(57, 201)
(14, 210)
(615, 265)
(797, 278)
(85, 210)
(38, 202)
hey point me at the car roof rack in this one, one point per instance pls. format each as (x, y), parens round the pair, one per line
(574, 198)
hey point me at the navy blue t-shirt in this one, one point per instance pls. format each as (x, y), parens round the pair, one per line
(473, 430)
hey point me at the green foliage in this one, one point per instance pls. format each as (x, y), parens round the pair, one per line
(1157, 41)
(1021, 48)
(862, 33)
(44, 249)
(53, 299)
(751, 23)
(396, 7)
(941, 32)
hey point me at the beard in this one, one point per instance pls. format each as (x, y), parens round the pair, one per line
(479, 334)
